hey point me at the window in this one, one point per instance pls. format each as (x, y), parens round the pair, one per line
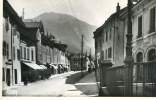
(139, 26)
(109, 52)
(139, 69)
(139, 57)
(32, 55)
(7, 50)
(102, 54)
(110, 36)
(4, 48)
(7, 24)
(101, 43)
(152, 20)
(14, 53)
(21, 49)
(3, 74)
(152, 55)
(106, 54)
(24, 53)
(28, 54)
(18, 54)
(106, 36)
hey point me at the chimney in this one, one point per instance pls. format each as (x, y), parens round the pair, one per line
(118, 8)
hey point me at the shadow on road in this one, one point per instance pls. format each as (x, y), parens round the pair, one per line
(72, 79)
(90, 90)
(86, 83)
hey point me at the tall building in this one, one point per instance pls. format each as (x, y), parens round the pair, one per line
(128, 78)
(144, 31)
(110, 39)
(11, 45)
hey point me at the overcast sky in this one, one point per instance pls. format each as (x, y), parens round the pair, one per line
(94, 12)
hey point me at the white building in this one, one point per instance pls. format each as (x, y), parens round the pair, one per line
(16, 56)
(144, 31)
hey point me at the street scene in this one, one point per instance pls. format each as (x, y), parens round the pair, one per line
(79, 48)
(66, 86)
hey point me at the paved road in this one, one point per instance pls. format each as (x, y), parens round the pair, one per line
(55, 86)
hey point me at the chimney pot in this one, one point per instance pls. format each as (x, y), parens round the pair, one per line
(118, 7)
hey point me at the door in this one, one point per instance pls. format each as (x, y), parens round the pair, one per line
(15, 72)
(8, 77)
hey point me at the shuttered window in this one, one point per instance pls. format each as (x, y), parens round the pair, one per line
(152, 20)
(139, 26)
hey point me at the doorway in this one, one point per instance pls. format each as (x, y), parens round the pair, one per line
(15, 72)
(8, 77)
(139, 67)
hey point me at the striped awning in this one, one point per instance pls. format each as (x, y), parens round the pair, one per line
(55, 67)
(33, 66)
(44, 67)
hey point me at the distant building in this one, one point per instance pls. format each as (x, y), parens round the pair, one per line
(36, 30)
(75, 62)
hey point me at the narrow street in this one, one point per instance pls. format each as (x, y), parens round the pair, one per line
(57, 86)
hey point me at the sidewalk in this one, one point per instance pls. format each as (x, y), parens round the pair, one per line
(88, 85)
(12, 91)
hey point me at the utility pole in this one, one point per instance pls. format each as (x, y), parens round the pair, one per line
(129, 59)
(82, 43)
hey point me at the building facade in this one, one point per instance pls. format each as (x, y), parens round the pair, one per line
(144, 31)
(128, 78)
(110, 39)
(11, 45)
(27, 50)
(75, 61)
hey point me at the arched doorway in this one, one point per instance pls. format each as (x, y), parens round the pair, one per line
(152, 55)
(139, 57)
(139, 69)
(151, 68)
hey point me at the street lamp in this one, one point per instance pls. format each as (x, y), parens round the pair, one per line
(129, 59)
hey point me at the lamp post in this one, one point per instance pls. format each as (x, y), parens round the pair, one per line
(129, 59)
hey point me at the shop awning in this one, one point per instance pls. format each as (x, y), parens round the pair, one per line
(55, 67)
(33, 66)
(60, 66)
(44, 67)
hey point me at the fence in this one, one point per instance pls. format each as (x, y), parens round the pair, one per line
(143, 79)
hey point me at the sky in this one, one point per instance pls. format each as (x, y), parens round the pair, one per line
(94, 12)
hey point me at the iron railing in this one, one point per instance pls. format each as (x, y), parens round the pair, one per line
(143, 79)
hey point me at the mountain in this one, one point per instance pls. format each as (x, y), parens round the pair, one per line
(69, 30)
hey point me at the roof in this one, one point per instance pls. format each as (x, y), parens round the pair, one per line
(33, 24)
(27, 30)
(28, 35)
(8, 11)
(33, 66)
